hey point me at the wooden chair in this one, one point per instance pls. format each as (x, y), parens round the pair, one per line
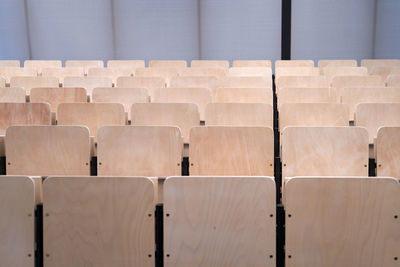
(239, 114)
(388, 152)
(301, 82)
(372, 116)
(209, 63)
(12, 95)
(342, 221)
(371, 63)
(165, 73)
(296, 71)
(246, 82)
(131, 64)
(17, 221)
(167, 64)
(294, 63)
(98, 221)
(331, 72)
(336, 63)
(182, 115)
(221, 150)
(85, 64)
(384, 72)
(61, 73)
(303, 95)
(9, 63)
(250, 71)
(242, 95)
(354, 96)
(89, 83)
(112, 73)
(341, 82)
(233, 223)
(91, 115)
(47, 150)
(252, 63)
(31, 82)
(38, 65)
(149, 83)
(393, 81)
(199, 96)
(194, 82)
(139, 150)
(8, 72)
(210, 71)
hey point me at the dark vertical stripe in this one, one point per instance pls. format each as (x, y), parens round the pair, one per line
(374, 29)
(286, 28)
(199, 28)
(27, 28)
(113, 30)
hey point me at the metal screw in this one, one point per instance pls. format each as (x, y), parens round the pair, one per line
(379, 165)
(30, 215)
(167, 214)
(99, 163)
(284, 165)
(87, 163)
(395, 216)
(47, 255)
(29, 255)
(149, 214)
(179, 164)
(149, 255)
(9, 163)
(191, 164)
(290, 256)
(271, 256)
(365, 165)
(290, 215)
(271, 215)
(167, 255)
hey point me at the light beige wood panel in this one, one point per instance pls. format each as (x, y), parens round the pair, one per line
(296, 71)
(57, 95)
(92, 115)
(47, 150)
(199, 71)
(250, 71)
(9, 63)
(182, 115)
(133, 64)
(12, 95)
(219, 221)
(209, 63)
(343, 221)
(61, 73)
(388, 152)
(371, 63)
(331, 72)
(195, 82)
(167, 64)
(222, 150)
(372, 116)
(89, 83)
(252, 63)
(340, 82)
(354, 96)
(239, 114)
(313, 114)
(31, 82)
(149, 83)
(199, 96)
(303, 95)
(165, 73)
(325, 151)
(336, 63)
(17, 221)
(2, 82)
(98, 221)
(23, 114)
(38, 65)
(294, 63)
(246, 82)
(384, 72)
(139, 150)
(393, 81)
(301, 82)
(85, 64)
(112, 73)
(8, 72)
(242, 95)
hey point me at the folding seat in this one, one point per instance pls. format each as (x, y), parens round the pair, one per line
(85, 64)
(303, 95)
(9, 63)
(388, 152)
(336, 63)
(61, 73)
(342, 221)
(8, 72)
(182, 115)
(17, 221)
(167, 64)
(393, 81)
(210, 82)
(354, 96)
(38, 65)
(132, 64)
(371, 63)
(199, 96)
(112, 73)
(246, 82)
(239, 114)
(250, 71)
(231, 222)
(47, 150)
(296, 71)
(372, 116)
(98, 221)
(89, 83)
(149, 83)
(165, 73)
(222, 150)
(252, 63)
(301, 82)
(31, 82)
(211, 71)
(384, 72)
(331, 72)
(12, 95)
(91, 115)
(294, 63)
(2, 82)
(209, 63)
(313, 114)
(242, 95)
(340, 82)
(154, 151)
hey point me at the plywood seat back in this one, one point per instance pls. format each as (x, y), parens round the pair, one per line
(250, 71)
(112, 73)
(388, 152)
(149, 83)
(98, 221)
(222, 150)
(32, 82)
(61, 73)
(385, 71)
(132, 64)
(371, 63)
(47, 150)
(393, 80)
(331, 72)
(296, 71)
(203, 71)
(8, 72)
(167, 64)
(242, 95)
(165, 73)
(336, 63)
(252, 63)
(209, 63)
(9, 63)
(301, 82)
(139, 150)
(2, 82)
(89, 83)
(246, 82)
(341, 82)
(294, 63)
(232, 222)
(38, 65)
(85, 64)
(12, 95)
(210, 82)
